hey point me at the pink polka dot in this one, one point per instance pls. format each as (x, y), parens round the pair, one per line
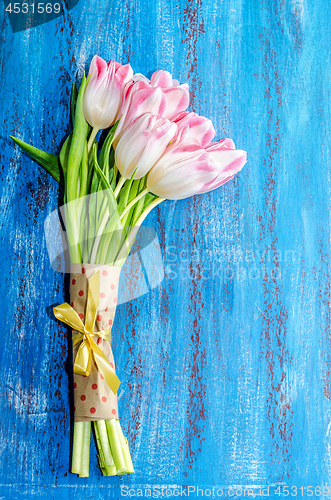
(72, 304)
(74, 408)
(81, 315)
(112, 287)
(83, 397)
(99, 317)
(94, 386)
(110, 321)
(73, 282)
(104, 399)
(111, 364)
(75, 385)
(115, 300)
(105, 273)
(92, 410)
(106, 308)
(102, 295)
(99, 340)
(113, 411)
(102, 376)
(83, 270)
(81, 293)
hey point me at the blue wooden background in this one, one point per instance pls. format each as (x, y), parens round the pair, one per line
(226, 365)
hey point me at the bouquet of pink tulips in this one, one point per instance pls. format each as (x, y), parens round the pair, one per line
(154, 150)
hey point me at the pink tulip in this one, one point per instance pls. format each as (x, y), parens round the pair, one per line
(177, 95)
(224, 152)
(188, 169)
(160, 96)
(142, 144)
(194, 129)
(139, 100)
(103, 94)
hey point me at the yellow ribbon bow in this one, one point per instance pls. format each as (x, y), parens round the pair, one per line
(88, 348)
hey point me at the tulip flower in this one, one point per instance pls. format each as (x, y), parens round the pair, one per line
(194, 129)
(142, 144)
(188, 169)
(141, 99)
(224, 152)
(103, 95)
(177, 95)
(160, 96)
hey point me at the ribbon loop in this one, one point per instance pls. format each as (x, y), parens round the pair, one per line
(88, 347)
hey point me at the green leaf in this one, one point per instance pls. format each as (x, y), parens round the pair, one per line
(112, 233)
(112, 170)
(73, 101)
(141, 205)
(103, 179)
(90, 172)
(93, 182)
(77, 146)
(48, 161)
(103, 200)
(93, 162)
(84, 173)
(105, 151)
(133, 193)
(124, 194)
(148, 199)
(64, 153)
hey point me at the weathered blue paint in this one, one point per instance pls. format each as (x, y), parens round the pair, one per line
(226, 370)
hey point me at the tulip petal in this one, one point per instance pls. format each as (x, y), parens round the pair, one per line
(161, 79)
(197, 128)
(103, 94)
(140, 102)
(123, 74)
(138, 77)
(181, 180)
(230, 163)
(180, 116)
(142, 144)
(185, 87)
(177, 101)
(221, 145)
(98, 67)
(154, 148)
(188, 169)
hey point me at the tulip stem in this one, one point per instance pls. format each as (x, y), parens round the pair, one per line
(94, 132)
(76, 465)
(133, 233)
(147, 210)
(98, 236)
(119, 185)
(134, 201)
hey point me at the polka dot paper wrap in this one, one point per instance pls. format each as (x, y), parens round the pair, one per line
(93, 398)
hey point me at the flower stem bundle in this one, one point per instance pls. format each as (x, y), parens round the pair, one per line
(151, 149)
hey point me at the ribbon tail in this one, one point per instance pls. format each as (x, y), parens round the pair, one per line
(82, 365)
(104, 366)
(92, 301)
(109, 375)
